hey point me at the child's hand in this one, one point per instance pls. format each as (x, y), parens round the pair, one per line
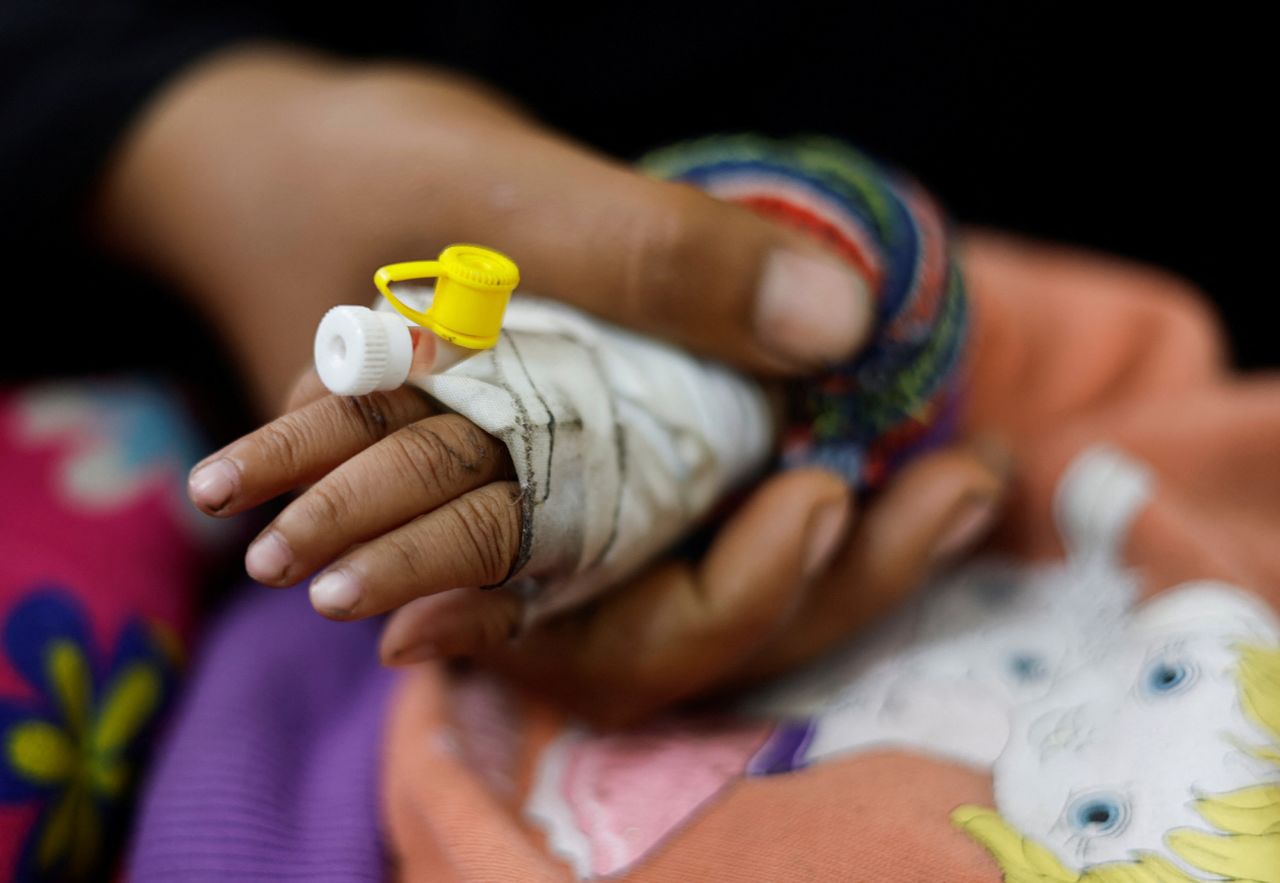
(404, 501)
(428, 503)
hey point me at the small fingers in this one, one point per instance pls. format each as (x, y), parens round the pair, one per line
(471, 541)
(299, 448)
(414, 470)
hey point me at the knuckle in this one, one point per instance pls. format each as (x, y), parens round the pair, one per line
(444, 453)
(662, 250)
(367, 412)
(486, 528)
(283, 443)
(423, 457)
(327, 503)
(405, 556)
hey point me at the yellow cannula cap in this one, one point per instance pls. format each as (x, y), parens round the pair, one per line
(473, 287)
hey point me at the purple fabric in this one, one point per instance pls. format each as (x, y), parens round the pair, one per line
(784, 751)
(270, 769)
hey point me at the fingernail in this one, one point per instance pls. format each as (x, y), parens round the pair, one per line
(967, 526)
(422, 652)
(811, 310)
(334, 593)
(268, 558)
(211, 486)
(826, 532)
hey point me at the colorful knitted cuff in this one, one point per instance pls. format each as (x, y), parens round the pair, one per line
(901, 395)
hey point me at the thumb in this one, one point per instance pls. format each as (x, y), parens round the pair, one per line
(666, 259)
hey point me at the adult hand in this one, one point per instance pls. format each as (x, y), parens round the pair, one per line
(269, 182)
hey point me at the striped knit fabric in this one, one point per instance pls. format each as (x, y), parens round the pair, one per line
(899, 397)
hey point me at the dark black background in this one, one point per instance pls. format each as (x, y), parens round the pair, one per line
(1141, 133)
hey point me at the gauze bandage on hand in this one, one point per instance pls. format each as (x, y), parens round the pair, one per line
(620, 443)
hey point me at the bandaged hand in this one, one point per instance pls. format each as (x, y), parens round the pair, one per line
(404, 501)
(238, 187)
(416, 509)
(619, 445)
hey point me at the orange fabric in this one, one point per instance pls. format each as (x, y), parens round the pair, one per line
(1070, 350)
(442, 819)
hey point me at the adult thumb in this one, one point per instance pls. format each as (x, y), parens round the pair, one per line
(666, 259)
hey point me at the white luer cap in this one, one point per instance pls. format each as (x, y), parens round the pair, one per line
(359, 350)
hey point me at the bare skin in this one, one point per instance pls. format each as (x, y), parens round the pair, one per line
(407, 504)
(266, 183)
